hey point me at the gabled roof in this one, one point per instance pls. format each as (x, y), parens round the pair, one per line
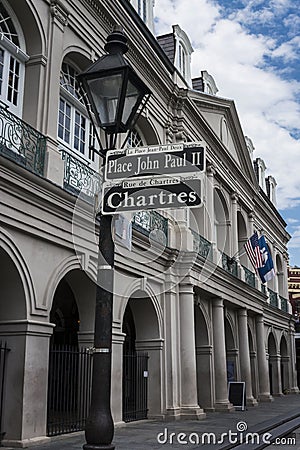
(167, 43)
(214, 110)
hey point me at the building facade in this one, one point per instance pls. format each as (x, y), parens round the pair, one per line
(185, 293)
(294, 298)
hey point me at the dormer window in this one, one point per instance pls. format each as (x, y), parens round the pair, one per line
(182, 60)
(142, 9)
(260, 170)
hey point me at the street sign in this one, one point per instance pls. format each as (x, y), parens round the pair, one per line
(155, 160)
(151, 193)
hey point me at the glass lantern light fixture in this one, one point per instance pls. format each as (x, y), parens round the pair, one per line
(114, 90)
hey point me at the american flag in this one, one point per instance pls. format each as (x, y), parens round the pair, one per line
(253, 251)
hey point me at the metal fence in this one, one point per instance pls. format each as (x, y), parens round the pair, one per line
(69, 389)
(3, 362)
(135, 386)
(21, 143)
(152, 224)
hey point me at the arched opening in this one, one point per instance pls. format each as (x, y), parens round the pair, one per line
(203, 361)
(13, 332)
(12, 295)
(231, 352)
(284, 365)
(70, 362)
(274, 366)
(65, 316)
(221, 222)
(242, 238)
(75, 131)
(142, 353)
(253, 364)
(280, 276)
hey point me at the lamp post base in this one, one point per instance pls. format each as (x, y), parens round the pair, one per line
(98, 447)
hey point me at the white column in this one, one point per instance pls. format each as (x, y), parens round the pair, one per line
(245, 355)
(221, 390)
(172, 347)
(263, 369)
(25, 396)
(189, 397)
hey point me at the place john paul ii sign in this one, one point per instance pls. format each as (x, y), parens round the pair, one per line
(153, 177)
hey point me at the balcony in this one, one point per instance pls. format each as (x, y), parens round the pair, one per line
(79, 178)
(273, 298)
(249, 276)
(284, 304)
(229, 264)
(201, 245)
(152, 224)
(21, 143)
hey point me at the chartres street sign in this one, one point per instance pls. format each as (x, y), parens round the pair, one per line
(137, 194)
(155, 160)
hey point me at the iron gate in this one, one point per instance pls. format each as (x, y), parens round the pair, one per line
(135, 385)
(3, 361)
(69, 389)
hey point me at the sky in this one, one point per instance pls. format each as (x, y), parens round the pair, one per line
(252, 50)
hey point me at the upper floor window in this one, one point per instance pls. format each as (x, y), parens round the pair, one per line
(75, 129)
(135, 139)
(12, 63)
(182, 60)
(142, 9)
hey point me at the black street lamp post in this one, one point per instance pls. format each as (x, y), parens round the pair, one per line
(115, 96)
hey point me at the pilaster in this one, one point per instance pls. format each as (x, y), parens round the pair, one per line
(189, 407)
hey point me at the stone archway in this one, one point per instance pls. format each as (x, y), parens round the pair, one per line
(284, 365)
(231, 352)
(221, 214)
(64, 314)
(70, 363)
(253, 364)
(274, 366)
(142, 334)
(204, 361)
(28, 342)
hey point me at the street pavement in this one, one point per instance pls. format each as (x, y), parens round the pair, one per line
(188, 434)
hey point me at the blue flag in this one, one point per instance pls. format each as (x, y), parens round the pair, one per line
(266, 272)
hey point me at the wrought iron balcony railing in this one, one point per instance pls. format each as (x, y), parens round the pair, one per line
(21, 143)
(229, 264)
(283, 304)
(152, 224)
(79, 178)
(273, 298)
(201, 245)
(249, 276)
(263, 289)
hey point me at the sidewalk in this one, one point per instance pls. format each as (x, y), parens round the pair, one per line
(144, 435)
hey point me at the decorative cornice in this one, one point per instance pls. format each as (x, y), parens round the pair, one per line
(59, 12)
(210, 169)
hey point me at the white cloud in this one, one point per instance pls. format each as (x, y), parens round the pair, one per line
(288, 50)
(295, 241)
(266, 102)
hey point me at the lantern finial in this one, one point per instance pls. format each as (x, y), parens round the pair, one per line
(116, 41)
